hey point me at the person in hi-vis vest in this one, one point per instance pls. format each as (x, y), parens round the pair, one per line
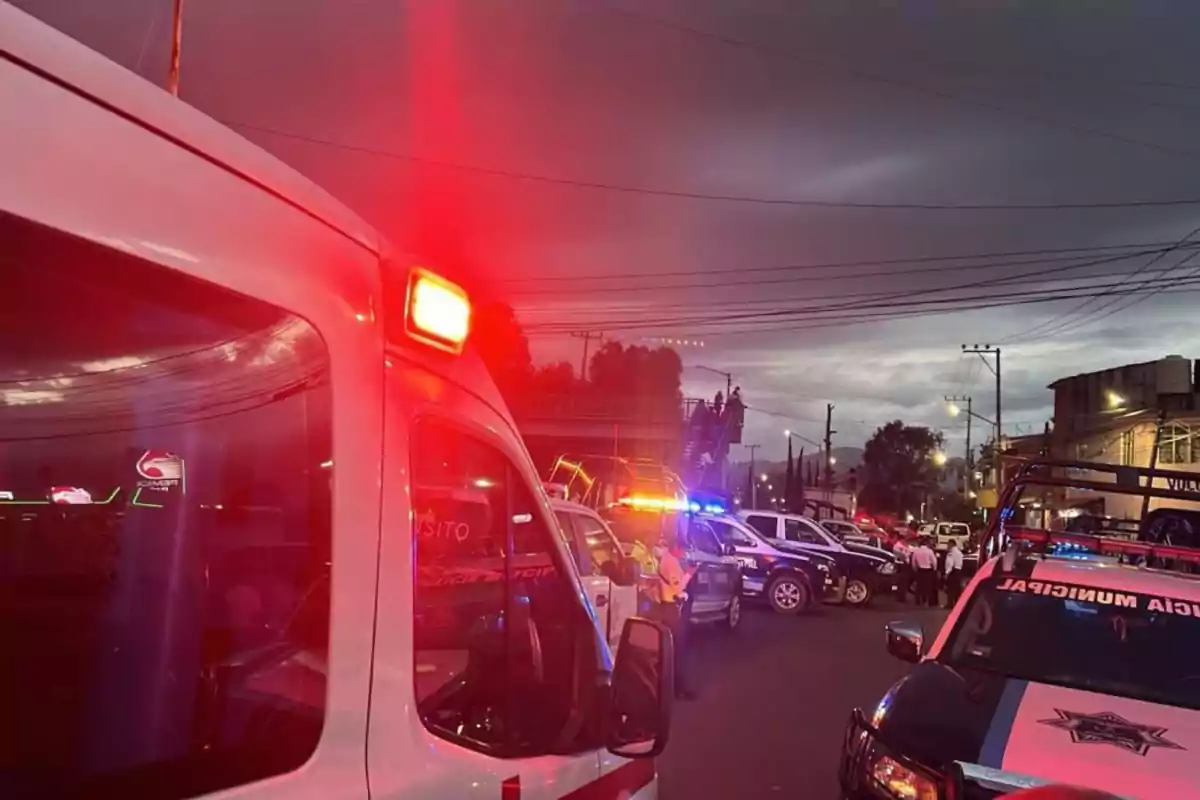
(671, 608)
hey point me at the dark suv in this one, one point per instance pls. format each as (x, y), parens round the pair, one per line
(789, 581)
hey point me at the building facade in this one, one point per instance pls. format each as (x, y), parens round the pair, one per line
(1113, 417)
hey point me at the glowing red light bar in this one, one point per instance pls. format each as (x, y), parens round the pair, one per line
(1105, 545)
(438, 312)
(647, 503)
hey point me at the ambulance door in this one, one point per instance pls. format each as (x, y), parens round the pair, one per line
(595, 584)
(484, 638)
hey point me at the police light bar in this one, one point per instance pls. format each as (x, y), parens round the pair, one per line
(644, 503)
(1104, 545)
(437, 312)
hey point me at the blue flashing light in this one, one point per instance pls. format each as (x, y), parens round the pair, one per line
(714, 509)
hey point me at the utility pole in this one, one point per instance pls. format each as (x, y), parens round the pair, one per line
(829, 432)
(753, 483)
(176, 48)
(587, 337)
(968, 473)
(988, 350)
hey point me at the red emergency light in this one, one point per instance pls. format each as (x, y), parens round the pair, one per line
(438, 311)
(1104, 545)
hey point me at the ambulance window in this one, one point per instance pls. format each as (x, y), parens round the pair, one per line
(165, 533)
(495, 618)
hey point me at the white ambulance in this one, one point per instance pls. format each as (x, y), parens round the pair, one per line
(314, 558)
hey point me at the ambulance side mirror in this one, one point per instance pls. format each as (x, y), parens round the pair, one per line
(643, 691)
(905, 640)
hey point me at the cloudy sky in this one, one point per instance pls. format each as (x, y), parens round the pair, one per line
(673, 168)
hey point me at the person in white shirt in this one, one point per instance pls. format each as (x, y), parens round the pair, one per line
(924, 563)
(954, 576)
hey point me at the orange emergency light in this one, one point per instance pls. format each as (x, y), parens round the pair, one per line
(438, 311)
(650, 503)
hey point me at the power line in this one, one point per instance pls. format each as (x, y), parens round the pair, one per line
(548, 315)
(1055, 326)
(824, 307)
(862, 315)
(1133, 300)
(697, 305)
(1148, 246)
(729, 282)
(714, 197)
(865, 76)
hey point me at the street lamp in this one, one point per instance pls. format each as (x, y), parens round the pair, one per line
(1114, 400)
(833, 459)
(953, 409)
(939, 458)
(763, 477)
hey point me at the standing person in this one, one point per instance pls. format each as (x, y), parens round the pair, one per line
(904, 579)
(671, 609)
(954, 576)
(924, 562)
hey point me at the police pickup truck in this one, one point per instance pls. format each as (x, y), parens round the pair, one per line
(1070, 658)
(790, 581)
(867, 570)
(1060, 669)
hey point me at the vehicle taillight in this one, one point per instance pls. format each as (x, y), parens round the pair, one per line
(439, 312)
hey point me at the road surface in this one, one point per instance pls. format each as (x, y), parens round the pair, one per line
(775, 698)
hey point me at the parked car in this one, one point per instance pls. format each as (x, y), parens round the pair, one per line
(945, 532)
(849, 533)
(868, 570)
(790, 581)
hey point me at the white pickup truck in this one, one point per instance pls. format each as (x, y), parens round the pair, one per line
(945, 532)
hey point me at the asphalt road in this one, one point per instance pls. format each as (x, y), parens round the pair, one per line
(774, 700)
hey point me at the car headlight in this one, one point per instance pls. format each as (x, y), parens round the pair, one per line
(887, 568)
(898, 780)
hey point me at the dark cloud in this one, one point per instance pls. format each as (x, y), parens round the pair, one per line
(941, 102)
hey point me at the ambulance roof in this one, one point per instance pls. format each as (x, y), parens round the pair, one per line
(64, 61)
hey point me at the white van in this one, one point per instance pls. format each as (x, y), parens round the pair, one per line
(314, 558)
(611, 578)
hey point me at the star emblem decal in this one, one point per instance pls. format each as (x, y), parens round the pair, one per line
(1109, 728)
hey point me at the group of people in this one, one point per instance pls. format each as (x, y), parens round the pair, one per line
(923, 575)
(710, 420)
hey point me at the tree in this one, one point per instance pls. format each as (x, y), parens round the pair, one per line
(555, 379)
(898, 468)
(953, 507)
(502, 345)
(637, 374)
